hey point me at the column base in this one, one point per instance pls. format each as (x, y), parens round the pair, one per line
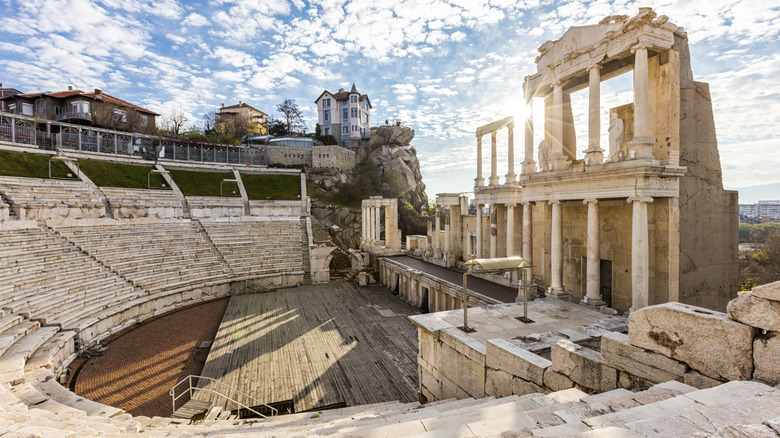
(437, 254)
(640, 148)
(594, 156)
(593, 302)
(529, 167)
(557, 292)
(558, 163)
(510, 178)
(493, 181)
(479, 182)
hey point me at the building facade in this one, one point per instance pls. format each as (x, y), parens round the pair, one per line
(344, 115)
(640, 221)
(243, 114)
(96, 109)
(761, 209)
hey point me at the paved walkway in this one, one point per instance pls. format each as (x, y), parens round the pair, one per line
(487, 288)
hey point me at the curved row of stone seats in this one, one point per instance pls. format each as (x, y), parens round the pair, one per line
(258, 247)
(161, 257)
(40, 199)
(46, 279)
(128, 203)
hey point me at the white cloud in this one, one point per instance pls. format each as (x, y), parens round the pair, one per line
(195, 20)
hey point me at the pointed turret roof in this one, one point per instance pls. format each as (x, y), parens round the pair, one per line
(354, 89)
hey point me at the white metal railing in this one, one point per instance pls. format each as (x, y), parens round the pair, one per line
(192, 388)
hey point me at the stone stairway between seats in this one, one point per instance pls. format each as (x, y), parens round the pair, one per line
(32, 403)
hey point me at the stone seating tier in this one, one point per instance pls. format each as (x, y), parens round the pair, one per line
(254, 248)
(156, 257)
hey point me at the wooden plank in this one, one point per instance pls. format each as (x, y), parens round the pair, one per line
(317, 345)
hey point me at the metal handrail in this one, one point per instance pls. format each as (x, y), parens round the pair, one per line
(192, 388)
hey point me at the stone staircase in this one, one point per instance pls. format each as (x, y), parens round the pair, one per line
(32, 403)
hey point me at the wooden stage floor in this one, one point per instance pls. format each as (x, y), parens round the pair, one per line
(317, 345)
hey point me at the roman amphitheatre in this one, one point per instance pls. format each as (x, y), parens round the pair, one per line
(200, 298)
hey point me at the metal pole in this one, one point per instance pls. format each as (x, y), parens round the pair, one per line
(525, 294)
(465, 301)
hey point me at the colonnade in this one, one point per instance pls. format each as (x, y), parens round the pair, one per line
(640, 147)
(371, 237)
(640, 257)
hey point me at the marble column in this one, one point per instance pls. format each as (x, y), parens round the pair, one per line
(556, 252)
(529, 165)
(370, 227)
(493, 181)
(437, 233)
(377, 224)
(557, 159)
(640, 253)
(364, 222)
(528, 251)
(511, 177)
(594, 154)
(510, 230)
(478, 252)
(479, 181)
(641, 146)
(593, 271)
(446, 231)
(493, 231)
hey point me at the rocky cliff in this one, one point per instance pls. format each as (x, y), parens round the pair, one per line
(387, 166)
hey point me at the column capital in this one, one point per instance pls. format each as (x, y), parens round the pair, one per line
(530, 203)
(589, 200)
(595, 66)
(493, 134)
(511, 204)
(637, 198)
(554, 202)
(511, 126)
(639, 46)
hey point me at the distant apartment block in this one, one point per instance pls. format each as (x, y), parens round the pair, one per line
(96, 109)
(344, 115)
(243, 112)
(764, 209)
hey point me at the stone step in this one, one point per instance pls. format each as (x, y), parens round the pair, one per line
(13, 360)
(9, 321)
(10, 336)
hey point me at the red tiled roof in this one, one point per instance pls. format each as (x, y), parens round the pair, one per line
(103, 96)
(242, 105)
(111, 99)
(342, 96)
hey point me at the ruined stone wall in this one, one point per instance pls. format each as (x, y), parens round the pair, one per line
(709, 268)
(288, 156)
(334, 158)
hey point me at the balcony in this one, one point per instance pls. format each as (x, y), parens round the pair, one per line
(73, 115)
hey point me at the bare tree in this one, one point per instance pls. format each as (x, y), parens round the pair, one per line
(173, 122)
(291, 116)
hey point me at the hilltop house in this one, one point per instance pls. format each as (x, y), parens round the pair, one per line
(243, 113)
(6, 92)
(96, 109)
(344, 115)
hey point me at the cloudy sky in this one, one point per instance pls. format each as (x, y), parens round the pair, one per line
(441, 67)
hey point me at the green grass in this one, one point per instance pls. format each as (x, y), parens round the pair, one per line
(276, 187)
(202, 183)
(31, 165)
(128, 176)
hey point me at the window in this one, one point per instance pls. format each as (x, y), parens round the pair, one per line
(27, 109)
(345, 130)
(79, 106)
(142, 119)
(326, 116)
(59, 109)
(40, 107)
(354, 112)
(326, 103)
(327, 131)
(119, 116)
(346, 114)
(354, 128)
(353, 99)
(11, 107)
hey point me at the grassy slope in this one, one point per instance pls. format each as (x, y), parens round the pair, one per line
(121, 175)
(30, 165)
(202, 183)
(276, 187)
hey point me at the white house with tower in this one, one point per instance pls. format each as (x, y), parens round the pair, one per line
(344, 115)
